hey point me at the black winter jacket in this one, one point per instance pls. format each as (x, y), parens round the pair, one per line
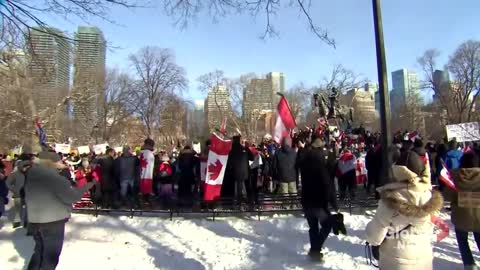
(284, 165)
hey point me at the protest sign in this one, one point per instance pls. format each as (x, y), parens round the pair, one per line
(100, 148)
(62, 148)
(464, 132)
(83, 150)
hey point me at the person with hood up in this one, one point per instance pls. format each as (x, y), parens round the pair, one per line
(127, 171)
(318, 192)
(237, 170)
(284, 167)
(453, 156)
(15, 183)
(402, 226)
(49, 198)
(465, 211)
(346, 173)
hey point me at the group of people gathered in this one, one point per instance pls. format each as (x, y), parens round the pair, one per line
(46, 185)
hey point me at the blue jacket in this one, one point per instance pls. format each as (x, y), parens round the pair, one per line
(452, 159)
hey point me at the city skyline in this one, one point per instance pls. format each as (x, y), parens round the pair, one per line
(230, 44)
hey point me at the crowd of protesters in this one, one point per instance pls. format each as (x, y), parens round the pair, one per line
(45, 186)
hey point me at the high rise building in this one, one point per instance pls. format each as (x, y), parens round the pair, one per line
(89, 76)
(441, 81)
(405, 84)
(49, 66)
(197, 119)
(217, 106)
(260, 96)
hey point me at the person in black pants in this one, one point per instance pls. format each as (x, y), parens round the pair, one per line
(317, 194)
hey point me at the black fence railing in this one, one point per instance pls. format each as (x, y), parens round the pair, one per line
(263, 205)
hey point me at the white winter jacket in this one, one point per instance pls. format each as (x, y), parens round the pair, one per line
(402, 224)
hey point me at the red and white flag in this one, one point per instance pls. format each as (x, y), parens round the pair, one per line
(147, 160)
(412, 136)
(445, 177)
(216, 165)
(285, 121)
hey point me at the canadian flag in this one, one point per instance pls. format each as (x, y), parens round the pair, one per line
(285, 121)
(412, 136)
(445, 177)
(147, 160)
(216, 164)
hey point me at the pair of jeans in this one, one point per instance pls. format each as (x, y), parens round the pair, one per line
(48, 245)
(464, 247)
(318, 236)
(287, 188)
(124, 185)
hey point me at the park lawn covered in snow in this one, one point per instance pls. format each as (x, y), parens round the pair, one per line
(275, 242)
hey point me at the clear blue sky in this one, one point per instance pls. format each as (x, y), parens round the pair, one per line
(233, 44)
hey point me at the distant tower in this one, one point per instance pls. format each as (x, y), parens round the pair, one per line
(49, 66)
(405, 83)
(89, 76)
(217, 106)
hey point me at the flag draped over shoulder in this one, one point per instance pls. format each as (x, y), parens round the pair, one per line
(285, 120)
(216, 165)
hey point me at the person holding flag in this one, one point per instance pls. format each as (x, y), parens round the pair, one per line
(465, 198)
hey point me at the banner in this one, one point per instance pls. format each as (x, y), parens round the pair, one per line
(465, 132)
(83, 150)
(118, 149)
(216, 166)
(100, 148)
(62, 148)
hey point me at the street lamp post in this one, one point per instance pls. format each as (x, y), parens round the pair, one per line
(383, 84)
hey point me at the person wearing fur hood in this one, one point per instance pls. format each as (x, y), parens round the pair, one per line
(402, 226)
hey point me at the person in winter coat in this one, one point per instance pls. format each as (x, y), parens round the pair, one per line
(165, 180)
(237, 170)
(318, 192)
(187, 162)
(49, 198)
(453, 156)
(15, 183)
(3, 189)
(402, 225)
(108, 183)
(284, 168)
(372, 162)
(346, 173)
(147, 162)
(128, 173)
(465, 211)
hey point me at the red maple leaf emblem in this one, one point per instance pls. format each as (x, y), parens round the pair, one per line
(143, 161)
(214, 169)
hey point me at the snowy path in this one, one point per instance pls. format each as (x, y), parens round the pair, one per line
(279, 242)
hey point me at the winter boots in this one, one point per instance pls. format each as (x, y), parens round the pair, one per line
(337, 224)
(315, 256)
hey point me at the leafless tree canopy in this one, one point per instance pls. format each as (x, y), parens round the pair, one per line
(157, 77)
(459, 96)
(25, 14)
(185, 10)
(341, 78)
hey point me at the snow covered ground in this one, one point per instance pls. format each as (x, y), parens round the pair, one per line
(275, 242)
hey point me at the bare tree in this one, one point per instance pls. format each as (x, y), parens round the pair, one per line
(185, 10)
(157, 77)
(119, 94)
(341, 78)
(300, 99)
(24, 14)
(459, 96)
